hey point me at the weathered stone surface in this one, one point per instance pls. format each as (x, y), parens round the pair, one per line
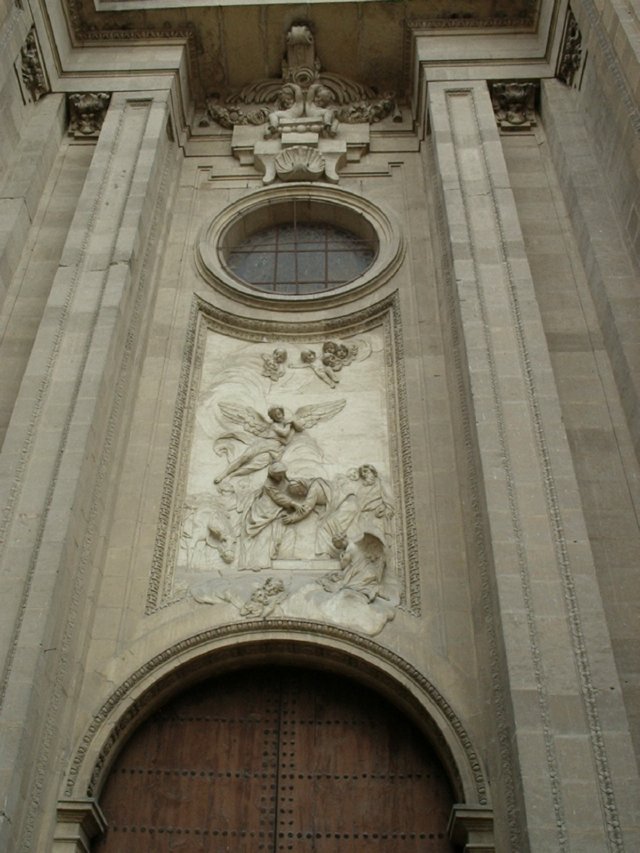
(425, 477)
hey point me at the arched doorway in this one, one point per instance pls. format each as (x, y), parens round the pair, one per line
(276, 759)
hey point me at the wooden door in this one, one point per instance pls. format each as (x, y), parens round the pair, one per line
(276, 759)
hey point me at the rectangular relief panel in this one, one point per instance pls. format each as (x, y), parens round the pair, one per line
(288, 487)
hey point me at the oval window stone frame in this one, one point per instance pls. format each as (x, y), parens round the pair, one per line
(335, 206)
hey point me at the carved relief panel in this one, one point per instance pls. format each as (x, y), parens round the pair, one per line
(291, 128)
(288, 495)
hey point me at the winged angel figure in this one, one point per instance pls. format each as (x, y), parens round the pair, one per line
(272, 434)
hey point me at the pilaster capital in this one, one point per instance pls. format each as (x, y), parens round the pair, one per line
(472, 828)
(79, 821)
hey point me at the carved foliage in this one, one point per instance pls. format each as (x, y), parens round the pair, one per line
(32, 70)
(571, 54)
(86, 113)
(514, 105)
(303, 96)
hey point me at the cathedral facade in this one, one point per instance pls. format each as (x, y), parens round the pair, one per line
(320, 474)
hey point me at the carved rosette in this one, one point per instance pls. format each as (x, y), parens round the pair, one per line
(514, 105)
(31, 68)
(571, 53)
(86, 113)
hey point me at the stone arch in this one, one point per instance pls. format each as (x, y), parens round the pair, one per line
(221, 650)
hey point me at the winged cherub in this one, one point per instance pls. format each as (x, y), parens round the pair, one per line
(273, 434)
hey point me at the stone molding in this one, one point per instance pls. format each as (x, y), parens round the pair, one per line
(79, 821)
(472, 828)
(213, 651)
(523, 24)
(85, 33)
(390, 254)
(75, 610)
(499, 315)
(478, 534)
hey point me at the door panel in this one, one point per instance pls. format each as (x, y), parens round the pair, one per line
(276, 759)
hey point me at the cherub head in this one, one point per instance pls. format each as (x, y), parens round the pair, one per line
(279, 355)
(330, 359)
(307, 356)
(286, 97)
(323, 97)
(276, 413)
(368, 474)
(273, 586)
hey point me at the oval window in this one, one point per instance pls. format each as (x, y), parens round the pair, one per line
(297, 258)
(296, 244)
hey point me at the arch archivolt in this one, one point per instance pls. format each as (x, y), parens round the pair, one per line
(213, 652)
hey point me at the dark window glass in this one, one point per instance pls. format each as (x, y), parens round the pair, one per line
(308, 257)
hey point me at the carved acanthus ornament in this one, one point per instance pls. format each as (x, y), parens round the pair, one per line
(514, 105)
(291, 127)
(32, 70)
(86, 113)
(571, 54)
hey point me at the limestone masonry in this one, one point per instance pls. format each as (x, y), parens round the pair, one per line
(320, 351)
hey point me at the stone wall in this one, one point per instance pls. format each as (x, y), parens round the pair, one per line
(592, 411)
(474, 430)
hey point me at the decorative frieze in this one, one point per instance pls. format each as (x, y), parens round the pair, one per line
(571, 53)
(514, 105)
(32, 71)
(86, 113)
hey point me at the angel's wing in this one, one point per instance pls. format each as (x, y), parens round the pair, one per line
(308, 416)
(363, 349)
(247, 417)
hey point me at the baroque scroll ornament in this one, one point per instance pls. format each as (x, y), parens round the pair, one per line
(304, 99)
